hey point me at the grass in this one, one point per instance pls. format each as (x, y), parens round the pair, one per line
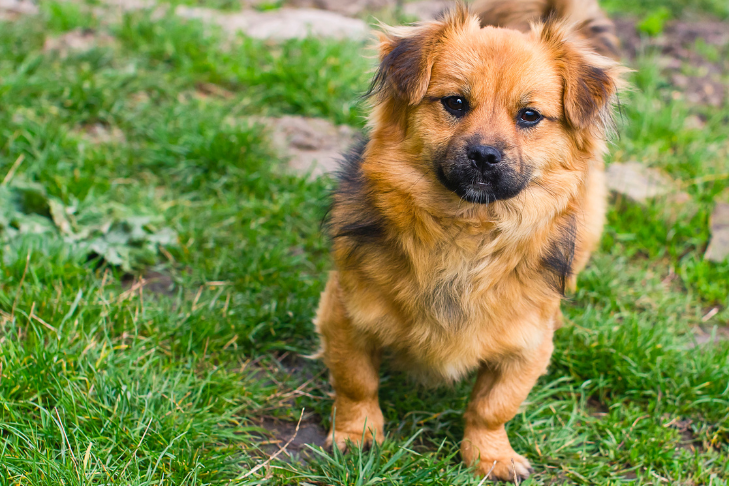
(676, 8)
(105, 382)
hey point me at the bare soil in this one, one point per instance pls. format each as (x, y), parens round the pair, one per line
(700, 75)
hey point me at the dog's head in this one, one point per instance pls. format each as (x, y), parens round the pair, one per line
(491, 110)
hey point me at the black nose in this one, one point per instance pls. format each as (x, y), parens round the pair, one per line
(484, 156)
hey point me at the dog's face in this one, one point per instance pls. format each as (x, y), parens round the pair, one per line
(491, 109)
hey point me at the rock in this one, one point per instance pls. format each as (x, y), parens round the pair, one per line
(312, 144)
(718, 249)
(641, 184)
(130, 5)
(285, 23)
(345, 7)
(425, 9)
(112, 11)
(638, 182)
(13, 9)
(18, 7)
(77, 40)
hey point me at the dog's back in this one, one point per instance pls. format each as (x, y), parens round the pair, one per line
(589, 20)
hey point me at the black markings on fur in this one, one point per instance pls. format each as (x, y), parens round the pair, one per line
(591, 93)
(401, 69)
(560, 256)
(356, 217)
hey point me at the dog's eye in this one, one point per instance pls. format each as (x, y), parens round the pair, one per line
(528, 117)
(455, 105)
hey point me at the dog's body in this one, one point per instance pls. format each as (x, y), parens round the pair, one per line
(458, 225)
(588, 20)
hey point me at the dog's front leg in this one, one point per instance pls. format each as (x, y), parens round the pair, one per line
(353, 362)
(498, 393)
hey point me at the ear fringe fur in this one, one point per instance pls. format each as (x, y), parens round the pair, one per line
(599, 73)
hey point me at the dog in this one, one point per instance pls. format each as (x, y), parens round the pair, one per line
(457, 226)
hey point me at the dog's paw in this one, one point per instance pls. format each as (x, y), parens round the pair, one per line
(343, 438)
(511, 468)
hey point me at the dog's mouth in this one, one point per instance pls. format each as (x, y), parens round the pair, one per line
(476, 187)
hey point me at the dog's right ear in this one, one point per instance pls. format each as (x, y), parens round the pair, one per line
(407, 55)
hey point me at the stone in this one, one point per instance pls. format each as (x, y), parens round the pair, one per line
(718, 249)
(281, 24)
(638, 182)
(313, 145)
(345, 7)
(112, 11)
(23, 7)
(130, 5)
(425, 9)
(13, 9)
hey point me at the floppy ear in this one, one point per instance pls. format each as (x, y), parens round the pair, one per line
(591, 81)
(407, 55)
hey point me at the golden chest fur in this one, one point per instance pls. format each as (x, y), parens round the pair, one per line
(458, 307)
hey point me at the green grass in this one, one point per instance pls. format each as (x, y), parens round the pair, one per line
(105, 382)
(677, 8)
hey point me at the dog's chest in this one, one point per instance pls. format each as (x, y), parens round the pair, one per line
(450, 290)
(466, 310)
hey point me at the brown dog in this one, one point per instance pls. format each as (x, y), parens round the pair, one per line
(458, 225)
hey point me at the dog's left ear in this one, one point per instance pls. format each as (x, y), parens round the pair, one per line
(407, 54)
(591, 81)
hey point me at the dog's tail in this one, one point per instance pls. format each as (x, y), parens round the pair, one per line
(589, 20)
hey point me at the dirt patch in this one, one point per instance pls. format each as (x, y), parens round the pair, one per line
(693, 55)
(153, 282)
(689, 440)
(280, 432)
(597, 408)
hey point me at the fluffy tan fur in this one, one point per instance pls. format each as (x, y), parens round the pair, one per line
(450, 286)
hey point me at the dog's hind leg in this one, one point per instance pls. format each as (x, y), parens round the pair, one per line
(498, 393)
(353, 363)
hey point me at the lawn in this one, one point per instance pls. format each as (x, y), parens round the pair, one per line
(159, 271)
